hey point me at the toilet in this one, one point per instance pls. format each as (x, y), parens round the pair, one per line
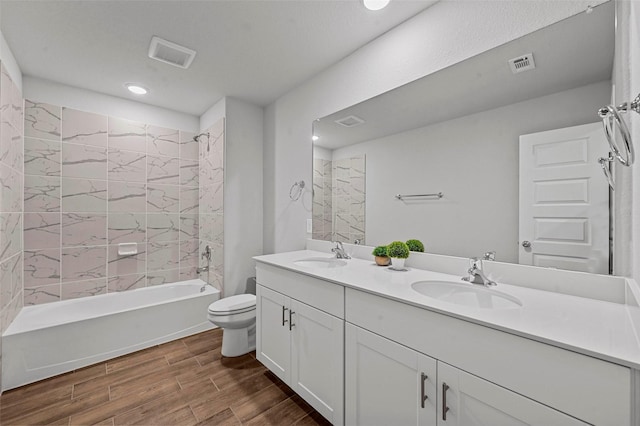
(236, 316)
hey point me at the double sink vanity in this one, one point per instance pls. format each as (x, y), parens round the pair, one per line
(367, 345)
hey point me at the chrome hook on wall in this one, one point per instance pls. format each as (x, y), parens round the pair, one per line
(612, 120)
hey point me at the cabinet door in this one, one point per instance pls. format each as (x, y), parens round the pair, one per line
(272, 332)
(472, 401)
(317, 360)
(385, 382)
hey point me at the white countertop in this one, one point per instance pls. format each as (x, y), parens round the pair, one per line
(604, 330)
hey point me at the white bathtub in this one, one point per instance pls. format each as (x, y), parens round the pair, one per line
(54, 338)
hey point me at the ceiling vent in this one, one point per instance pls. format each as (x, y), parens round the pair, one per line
(350, 121)
(522, 63)
(171, 53)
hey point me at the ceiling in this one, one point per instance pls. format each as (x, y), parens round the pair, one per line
(252, 50)
(571, 53)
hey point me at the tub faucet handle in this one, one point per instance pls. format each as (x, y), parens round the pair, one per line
(206, 254)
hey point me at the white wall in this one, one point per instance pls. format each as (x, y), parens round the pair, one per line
(242, 193)
(46, 91)
(473, 160)
(446, 33)
(213, 114)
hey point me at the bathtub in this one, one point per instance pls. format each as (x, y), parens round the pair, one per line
(54, 338)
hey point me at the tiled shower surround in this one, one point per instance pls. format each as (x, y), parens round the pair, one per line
(339, 199)
(11, 216)
(94, 181)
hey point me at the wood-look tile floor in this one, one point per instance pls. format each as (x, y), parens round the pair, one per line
(184, 382)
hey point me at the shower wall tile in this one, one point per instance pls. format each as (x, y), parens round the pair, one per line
(84, 161)
(84, 263)
(16, 152)
(188, 146)
(10, 189)
(118, 265)
(189, 227)
(188, 274)
(11, 311)
(41, 194)
(84, 229)
(84, 195)
(127, 197)
(42, 157)
(163, 277)
(17, 109)
(126, 282)
(165, 170)
(78, 289)
(127, 228)
(42, 120)
(189, 199)
(5, 95)
(84, 128)
(6, 135)
(211, 198)
(127, 166)
(189, 253)
(41, 267)
(162, 141)
(211, 170)
(162, 198)
(163, 227)
(212, 227)
(6, 287)
(41, 294)
(127, 135)
(41, 230)
(189, 170)
(163, 256)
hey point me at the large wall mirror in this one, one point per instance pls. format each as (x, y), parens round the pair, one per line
(484, 158)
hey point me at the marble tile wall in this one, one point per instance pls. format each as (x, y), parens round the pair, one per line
(348, 176)
(339, 199)
(94, 181)
(11, 199)
(211, 179)
(322, 200)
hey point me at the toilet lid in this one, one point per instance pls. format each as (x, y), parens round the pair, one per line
(233, 305)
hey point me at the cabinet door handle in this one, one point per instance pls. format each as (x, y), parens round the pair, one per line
(445, 388)
(423, 396)
(284, 321)
(291, 324)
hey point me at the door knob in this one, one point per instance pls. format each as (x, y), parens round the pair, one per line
(526, 244)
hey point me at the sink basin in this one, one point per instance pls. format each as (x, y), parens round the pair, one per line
(321, 262)
(466, 295)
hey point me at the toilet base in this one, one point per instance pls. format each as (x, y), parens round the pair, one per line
(238, 342)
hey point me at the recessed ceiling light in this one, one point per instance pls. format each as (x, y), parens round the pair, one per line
(134, 88)
(314, 138)
(375, 4)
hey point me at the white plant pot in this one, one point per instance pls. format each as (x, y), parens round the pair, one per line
(397, 263)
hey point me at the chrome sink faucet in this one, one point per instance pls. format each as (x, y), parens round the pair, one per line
(339, 251)
(476, 274)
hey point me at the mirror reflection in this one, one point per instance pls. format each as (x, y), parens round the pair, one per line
(510, 138)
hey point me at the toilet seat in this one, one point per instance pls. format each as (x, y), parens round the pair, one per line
(233, 305)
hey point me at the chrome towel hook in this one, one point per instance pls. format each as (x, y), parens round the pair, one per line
(611, 118)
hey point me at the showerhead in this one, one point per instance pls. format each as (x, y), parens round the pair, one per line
(197, 139)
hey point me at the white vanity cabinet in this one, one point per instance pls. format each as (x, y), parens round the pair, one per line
(300, 336)
(498, 378)
(387, 383)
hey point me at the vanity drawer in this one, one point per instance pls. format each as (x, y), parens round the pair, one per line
(318, 293)
(589, 389)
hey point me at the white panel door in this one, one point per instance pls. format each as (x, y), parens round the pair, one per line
(385, 382)
(564, 200)
(467, 400)
(273, 348)
(317, 354)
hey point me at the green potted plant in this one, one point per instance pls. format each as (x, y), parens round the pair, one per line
(381, 256)
(415, 245)
(398, 252)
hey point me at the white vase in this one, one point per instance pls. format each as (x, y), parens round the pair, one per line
(397, 263)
